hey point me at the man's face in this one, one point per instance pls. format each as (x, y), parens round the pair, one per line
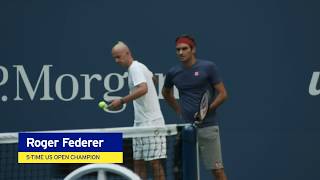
(184, 52)
(121, 57)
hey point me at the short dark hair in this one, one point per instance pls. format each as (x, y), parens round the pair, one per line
(188, 37)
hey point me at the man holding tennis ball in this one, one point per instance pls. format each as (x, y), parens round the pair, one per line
(147, 112)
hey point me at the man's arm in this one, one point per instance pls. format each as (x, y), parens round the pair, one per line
(167, 93)
(139, 90)
(221, 96)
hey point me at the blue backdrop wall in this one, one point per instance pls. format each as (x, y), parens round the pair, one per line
(55, 66)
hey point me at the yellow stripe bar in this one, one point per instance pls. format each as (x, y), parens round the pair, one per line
(70, 157)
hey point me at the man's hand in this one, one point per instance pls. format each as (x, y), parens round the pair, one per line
(116, 104)
(168, 96)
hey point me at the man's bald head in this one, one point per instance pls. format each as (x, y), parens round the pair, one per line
(121, 53)
(120, 46)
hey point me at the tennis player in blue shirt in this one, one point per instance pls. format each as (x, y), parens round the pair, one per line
(192, 77)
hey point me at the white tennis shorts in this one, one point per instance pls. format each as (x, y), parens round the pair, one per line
(149, 148)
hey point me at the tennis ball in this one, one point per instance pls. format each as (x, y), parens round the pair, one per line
(102, 104)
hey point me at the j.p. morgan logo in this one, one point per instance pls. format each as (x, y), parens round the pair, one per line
(48, 88)
(313, 89)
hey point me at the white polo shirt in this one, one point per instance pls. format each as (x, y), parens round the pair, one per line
(147, 110)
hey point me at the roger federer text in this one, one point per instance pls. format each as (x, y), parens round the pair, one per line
(66, 142)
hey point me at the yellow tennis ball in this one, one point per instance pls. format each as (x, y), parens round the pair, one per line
(102, 104)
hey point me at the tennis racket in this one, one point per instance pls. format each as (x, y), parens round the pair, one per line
(203, 107)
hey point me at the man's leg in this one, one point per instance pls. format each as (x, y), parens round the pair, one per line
(210, 151)
(139, 165)
(140, 169)
(219, 174)
(157, 151)
(158, 172)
